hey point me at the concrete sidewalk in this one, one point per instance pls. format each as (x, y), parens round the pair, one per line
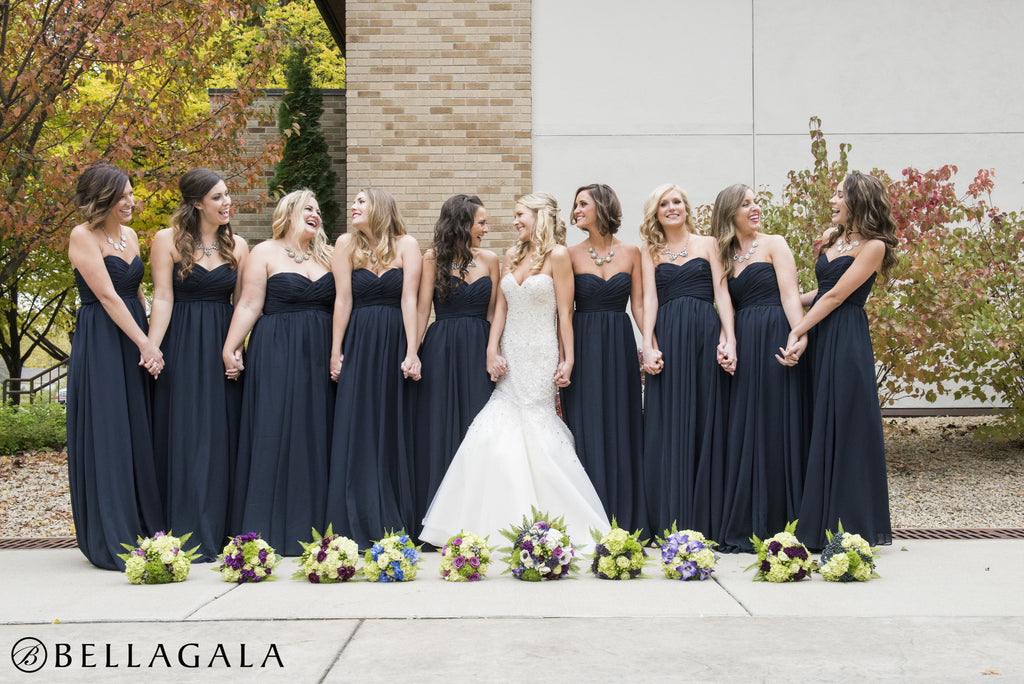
(943, 611)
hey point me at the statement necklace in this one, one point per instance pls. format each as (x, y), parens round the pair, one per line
(298, 258)
(207, 251)
(681, 253)
(601, 260)
(842, 246)
(118, 246)
(745, 257)
(456, 267)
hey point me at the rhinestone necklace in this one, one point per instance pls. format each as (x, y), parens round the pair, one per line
(672, 256)
(299, 258)
(745, 257)
(601, 260)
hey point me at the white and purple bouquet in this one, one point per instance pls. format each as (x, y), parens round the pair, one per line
(465, 557)
(247, 558)
(687, 555)
(781, 558)
(158, 559)
(327, 559)
(618, 554)
(541, 549)
(392, 559)
(847, 558)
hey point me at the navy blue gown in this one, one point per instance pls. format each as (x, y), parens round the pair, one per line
(453, 386)
(846, 478)
(684, 412)
(602, 404)
(766, 442)
(197, 409)
(280, 482)
(115, 490)
(370, 490)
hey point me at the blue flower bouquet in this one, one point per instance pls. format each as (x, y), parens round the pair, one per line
(687, 555)
(392, 559)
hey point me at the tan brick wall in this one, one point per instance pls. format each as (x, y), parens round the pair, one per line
(439, 102)
(252, 217)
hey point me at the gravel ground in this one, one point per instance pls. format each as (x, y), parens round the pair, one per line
(939, 477)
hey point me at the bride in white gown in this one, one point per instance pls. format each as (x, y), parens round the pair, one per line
(517, 452)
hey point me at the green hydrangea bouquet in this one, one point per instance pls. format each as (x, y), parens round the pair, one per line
(158, 559)
(618, 554)
(327, 559)
(392, 559)
(847, 558)
(781, 558)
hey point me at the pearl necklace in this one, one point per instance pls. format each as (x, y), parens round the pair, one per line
(299, 258)
(118, 246)
(745, 257)
(681, 253)
(846, 246)
(601, 260)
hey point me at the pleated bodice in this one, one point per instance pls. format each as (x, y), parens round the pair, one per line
(288, 292)
(124, 275)
(756, 285)
(202, 285)
(594, 293)
(691, 279)
(829, 273)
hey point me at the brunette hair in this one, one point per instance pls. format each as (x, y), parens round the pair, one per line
(194, 186)
(453, 242)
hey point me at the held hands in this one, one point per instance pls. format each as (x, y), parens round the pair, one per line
(562, 373)
(795, 347)
(151, 358)
(411, 367)
(336, 359)
(727, 356)
(496, 365)
(233, 365)
(652, 360)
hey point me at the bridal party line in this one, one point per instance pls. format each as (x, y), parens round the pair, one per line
(300, 384)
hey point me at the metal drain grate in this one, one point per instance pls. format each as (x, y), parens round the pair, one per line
(982, 533)
(39, 543)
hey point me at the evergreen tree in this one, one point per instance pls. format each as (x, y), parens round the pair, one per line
(305, 162)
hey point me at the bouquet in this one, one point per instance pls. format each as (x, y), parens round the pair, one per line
(327, 559)
(541, 549)
(687, 555)
(158, 559)
(847, 558)
(782, 558)
(392, 559)
(465, 558)
(247, 558)
(618, 554)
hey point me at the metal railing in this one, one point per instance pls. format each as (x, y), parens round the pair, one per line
(46, 385)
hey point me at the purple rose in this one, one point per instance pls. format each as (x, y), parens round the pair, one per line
(474, 562)
(314, 578)
(159, 534)
(474, 577)
(457, 541)
(557, 553)
(139, 552)
(458, 562)
(321, 556)
(446, 573)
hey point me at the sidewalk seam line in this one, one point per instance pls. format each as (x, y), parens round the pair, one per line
(337, 656)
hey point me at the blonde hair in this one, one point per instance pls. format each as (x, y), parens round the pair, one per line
(726, 205)
(288, 212)
(651, 230)
(548, 231)
(386, 226)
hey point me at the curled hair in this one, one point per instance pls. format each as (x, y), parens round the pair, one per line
(453, 241)
(870, 214)
(548, 231)
(726, 205)
(650, 230)
(288, 213)
(185, 222)
(386, 225)
(99, 189)
(608, 210)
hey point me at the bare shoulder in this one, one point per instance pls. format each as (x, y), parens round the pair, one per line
(627, 249)
(408, 242)
(560, 254)
(344, 241)
(428, 255)
(486, 256)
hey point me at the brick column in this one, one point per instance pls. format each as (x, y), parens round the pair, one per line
(438, 103)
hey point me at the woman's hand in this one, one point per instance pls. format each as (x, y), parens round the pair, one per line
(562, 373)
(727, 356)
(151, 358)
(795, 347)
(496, 365)
(411, 367)
(233, 365)
(336, 359)
(653, 362)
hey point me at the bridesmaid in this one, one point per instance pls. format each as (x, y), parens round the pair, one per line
(280, 482)
(602, 404)
(376, 269)
(454, 385)
(115, 491)
(846, 477)
(766, 444)
(195, 265)
(684, 341)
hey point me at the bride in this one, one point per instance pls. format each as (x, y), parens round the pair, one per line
(517, 452)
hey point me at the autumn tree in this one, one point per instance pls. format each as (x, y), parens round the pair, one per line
(123, 81)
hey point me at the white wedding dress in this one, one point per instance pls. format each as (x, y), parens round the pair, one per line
(517, 452)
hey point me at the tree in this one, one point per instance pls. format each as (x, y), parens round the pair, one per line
(121, 81)
(305, 162)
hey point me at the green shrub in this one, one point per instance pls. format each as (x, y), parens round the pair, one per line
(32, 427)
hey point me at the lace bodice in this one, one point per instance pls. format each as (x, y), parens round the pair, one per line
(529, 341)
